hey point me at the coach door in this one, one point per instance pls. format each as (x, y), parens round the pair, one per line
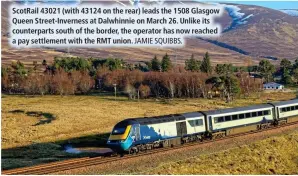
(135, 133)
(138, 135)
(277, 113)
(181, 128)
(274, 114)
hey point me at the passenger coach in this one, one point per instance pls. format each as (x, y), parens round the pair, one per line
(286, 111)
(224, 122)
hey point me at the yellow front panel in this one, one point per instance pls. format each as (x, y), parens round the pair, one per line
(121, 136)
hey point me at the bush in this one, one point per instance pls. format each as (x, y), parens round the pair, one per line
(62, 84)
(144, 91)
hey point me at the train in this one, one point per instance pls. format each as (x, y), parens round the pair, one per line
(134, 135)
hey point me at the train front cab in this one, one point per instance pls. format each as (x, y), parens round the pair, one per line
(120, 139)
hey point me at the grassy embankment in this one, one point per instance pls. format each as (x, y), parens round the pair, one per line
(41, 125)
(275, 155)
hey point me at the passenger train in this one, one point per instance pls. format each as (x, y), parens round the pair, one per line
(140, 134)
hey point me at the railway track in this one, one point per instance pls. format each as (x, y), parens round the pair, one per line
(86, 161)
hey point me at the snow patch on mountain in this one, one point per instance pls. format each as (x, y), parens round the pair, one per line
(134, 2)
(291, 12)
(238, 17)
(234, 11)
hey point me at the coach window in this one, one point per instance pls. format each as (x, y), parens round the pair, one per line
(241, 116)
(194, 123)
(218, 119)
(254, 114)
(191, 122)
(283, 109)
(247, 115)
(235, 117)
(296, 107)
(227, 118)
(260, 113)
(292, 108)
(266, 112)
(288, 108)
(199, 122)
(215, 120)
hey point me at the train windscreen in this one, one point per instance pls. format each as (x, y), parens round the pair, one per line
(120, 128)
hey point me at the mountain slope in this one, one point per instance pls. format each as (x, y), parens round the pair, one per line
(267, 33)
(250, 32)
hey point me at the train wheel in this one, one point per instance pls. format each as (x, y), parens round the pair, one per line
(133, 151)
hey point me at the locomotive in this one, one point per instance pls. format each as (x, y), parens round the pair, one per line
(139, 134)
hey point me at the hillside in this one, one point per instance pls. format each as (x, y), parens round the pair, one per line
(250, 33)
(267, 33)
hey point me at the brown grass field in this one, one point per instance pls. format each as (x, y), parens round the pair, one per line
(39, 125)
(275, 155)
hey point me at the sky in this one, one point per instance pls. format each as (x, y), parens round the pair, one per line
(270, 4)
(275, 4)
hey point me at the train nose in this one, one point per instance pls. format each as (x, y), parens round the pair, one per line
(114, 145)
(119, 145)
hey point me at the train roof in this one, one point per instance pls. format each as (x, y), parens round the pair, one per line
(282, 103)
(237, 109)
(183, 116)
(165, 118)
(192, 114)
(158, 119)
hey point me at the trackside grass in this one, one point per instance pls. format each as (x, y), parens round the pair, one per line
(276, 155)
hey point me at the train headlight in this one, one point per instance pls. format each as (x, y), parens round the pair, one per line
(122, 141)
(109, 141)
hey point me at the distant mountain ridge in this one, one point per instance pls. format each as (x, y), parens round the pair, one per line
(249, 32)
